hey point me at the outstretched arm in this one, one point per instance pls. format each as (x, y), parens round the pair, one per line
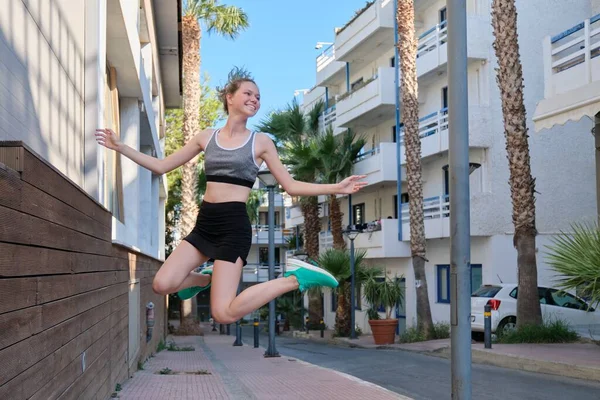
(268, 153)
(108, 139)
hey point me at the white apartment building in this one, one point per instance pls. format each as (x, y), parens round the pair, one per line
(355, 77)
(68, 67)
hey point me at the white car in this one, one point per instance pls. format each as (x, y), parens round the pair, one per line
(555, 304)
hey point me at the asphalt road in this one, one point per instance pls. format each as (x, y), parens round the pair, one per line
(425, 377)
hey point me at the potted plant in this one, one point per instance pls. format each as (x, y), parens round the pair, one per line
(383, 293)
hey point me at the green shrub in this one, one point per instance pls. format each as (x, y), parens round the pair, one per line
(551, 332)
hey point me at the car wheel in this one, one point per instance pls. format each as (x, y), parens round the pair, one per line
(507, 325)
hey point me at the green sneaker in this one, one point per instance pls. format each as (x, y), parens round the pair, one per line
(190, 292)
(309, 275)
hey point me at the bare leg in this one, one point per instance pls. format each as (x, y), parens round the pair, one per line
(226, 307)
(175, 273)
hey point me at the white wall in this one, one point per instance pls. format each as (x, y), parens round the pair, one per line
(42, 80)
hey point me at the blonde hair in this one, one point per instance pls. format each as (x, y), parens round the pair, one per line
(236, 77)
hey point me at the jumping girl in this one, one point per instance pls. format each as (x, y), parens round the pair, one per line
(223, 233)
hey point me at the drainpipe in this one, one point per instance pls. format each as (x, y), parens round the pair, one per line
(326, 99)
(597, 146)
(397, 106)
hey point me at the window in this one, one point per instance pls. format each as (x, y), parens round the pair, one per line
(396, 206)
(356, 83)
(443, 281)
(333, 301)
(446, 181)
(445, 98)
(393, 61)
(443, 284)
(263, 256)
(358, 214)
(113, 176)
(263, 218)
(443, 15)
(394, 133)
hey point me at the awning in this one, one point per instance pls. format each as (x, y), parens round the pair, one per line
(569, 106)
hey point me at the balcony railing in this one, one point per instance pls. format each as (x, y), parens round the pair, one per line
(431, 124)
(260, 272)
(433, 208)
(575, 45)
(326, 57)
(366, 154)
(327, 117)
(432, 39)
(325, 241)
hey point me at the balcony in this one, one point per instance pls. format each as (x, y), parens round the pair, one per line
(436, 213)
(379, 164)
(260, 234)
(330, 72)
(370, 104)
(259, 273)
(432, 50)
(368, 36)
(571, 75)
(433, 131)
(382, 241)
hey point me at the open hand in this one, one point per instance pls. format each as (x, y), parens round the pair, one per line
(107, 138)
(351, 185)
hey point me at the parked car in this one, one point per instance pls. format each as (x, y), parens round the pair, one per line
(555, 304)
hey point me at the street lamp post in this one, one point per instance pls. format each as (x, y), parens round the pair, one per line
(269, 181)
(351, 233)
(460, 237)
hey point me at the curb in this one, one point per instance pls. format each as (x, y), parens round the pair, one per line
(511, 361)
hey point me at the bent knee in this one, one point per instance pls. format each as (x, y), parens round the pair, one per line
(223, 317)
(162, 287)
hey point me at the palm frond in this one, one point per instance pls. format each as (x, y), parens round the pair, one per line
(575, 257)
(225, 20)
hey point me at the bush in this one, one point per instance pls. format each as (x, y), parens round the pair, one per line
(441, 330)
(552, 332)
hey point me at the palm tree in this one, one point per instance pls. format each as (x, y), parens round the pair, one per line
(224, 20)
(575, 257)
(522, 183)
(337, 262)
(296, 133)
(407, 49)
(336, 157)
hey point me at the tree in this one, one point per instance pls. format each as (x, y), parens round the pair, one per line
(522, 183)
(295, 134)
(224, 20)
(407, 49)
(208, 115)
(336, 155)
(337, 262)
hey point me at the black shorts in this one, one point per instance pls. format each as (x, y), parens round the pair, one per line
(223, 231)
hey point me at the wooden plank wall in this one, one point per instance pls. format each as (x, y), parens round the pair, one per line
(64, 303)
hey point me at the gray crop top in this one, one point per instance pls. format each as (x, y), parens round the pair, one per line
(236, 166)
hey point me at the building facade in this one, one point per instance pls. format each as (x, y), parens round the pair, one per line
(355, 76)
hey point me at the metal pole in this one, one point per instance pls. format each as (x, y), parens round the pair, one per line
(271, 350)
(352, 300)
(460, 233)
(487, 326)
(255, 333)
(397, 109)
(238, 327)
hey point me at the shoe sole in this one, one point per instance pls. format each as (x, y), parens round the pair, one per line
(301, 264)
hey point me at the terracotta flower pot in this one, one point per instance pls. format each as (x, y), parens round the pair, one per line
(384, 330)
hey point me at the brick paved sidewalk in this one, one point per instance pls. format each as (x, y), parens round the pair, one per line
(228, 372)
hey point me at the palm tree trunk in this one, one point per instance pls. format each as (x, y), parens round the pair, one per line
(310, 211)
(191, 105)
(342, 313)
(522, 183)
(407, 48)
(336, 223)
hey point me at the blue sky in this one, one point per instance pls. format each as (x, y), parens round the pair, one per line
(279, 46)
